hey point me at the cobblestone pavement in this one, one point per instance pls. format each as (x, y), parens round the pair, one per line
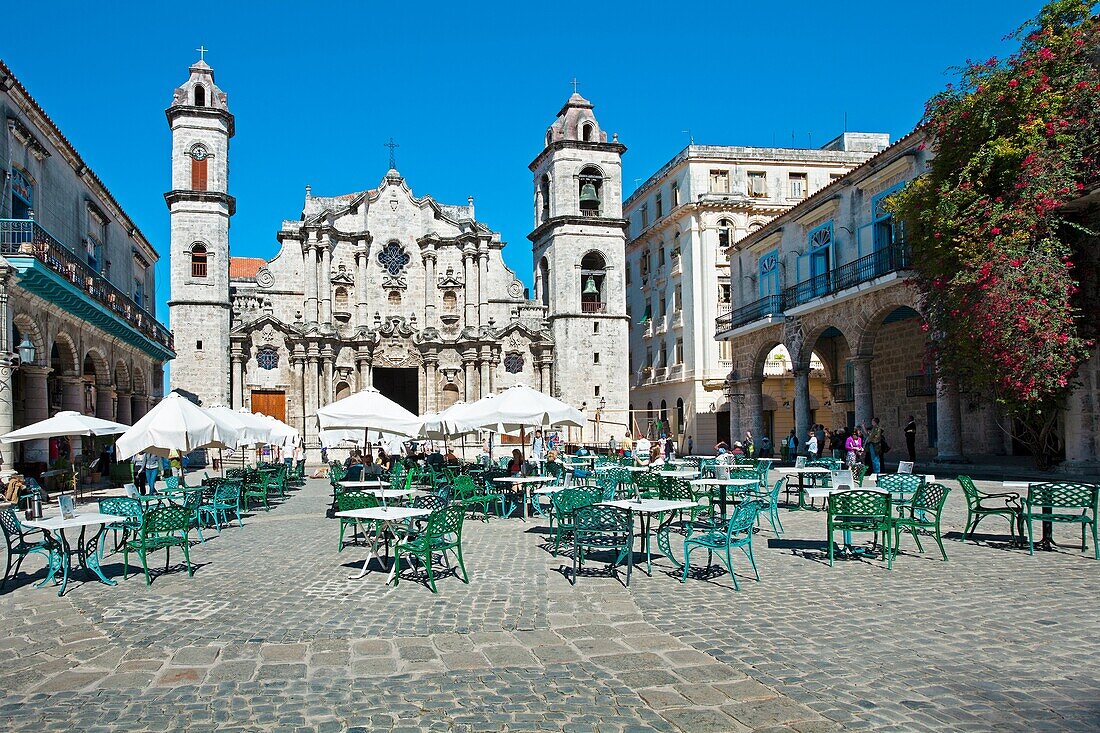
(270, 634)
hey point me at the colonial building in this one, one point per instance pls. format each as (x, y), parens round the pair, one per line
(77, 287)
(837, 264)
(682, 221)
(378, 287)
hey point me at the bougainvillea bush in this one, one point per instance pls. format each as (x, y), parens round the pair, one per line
(1014, 142)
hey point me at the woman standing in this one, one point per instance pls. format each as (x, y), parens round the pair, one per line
(854, 447)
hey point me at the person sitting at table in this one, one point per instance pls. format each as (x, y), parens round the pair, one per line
(517, 465)
(370, 469)
(655, 454)
(435, 459)
(738, 449)
(451, 459)
(725, 457)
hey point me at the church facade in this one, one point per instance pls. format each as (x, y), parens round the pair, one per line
(381, 287)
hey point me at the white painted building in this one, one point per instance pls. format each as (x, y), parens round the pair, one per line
(681, 222)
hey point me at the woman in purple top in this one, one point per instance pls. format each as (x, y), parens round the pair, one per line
(854, 446)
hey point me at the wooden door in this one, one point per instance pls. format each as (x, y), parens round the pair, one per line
(270, 402)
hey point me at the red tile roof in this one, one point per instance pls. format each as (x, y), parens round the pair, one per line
(245, 267)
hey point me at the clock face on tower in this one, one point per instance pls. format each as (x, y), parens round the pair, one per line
(199, 153)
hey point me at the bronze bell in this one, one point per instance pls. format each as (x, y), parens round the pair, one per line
(588, 194)
(590, 287)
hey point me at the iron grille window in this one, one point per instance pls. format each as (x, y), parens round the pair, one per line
(513, 362)
(394, 258)
(267, 358)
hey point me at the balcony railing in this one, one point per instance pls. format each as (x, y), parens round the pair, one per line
(865, 269)
(25, 238)
(770, 305)
(920, 385)
(844, 392)
(593, 306)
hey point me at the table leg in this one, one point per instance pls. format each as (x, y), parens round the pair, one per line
(371, 551)
(87, 553)
(56, 561)
(1047, 541)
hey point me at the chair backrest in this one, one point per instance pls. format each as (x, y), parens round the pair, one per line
(833, 464)
(172, 482)
(122, 506)
(744, 473)
(567, 501)
(446, 521)
(773, 496)
(1063, 494)
(842, 478)
(743, 519)
(600, 519)
(860, 503)
(905, 467)
(348, 500)
(429, 501)
(800, 462)
(930, 497)
(970, 491)
(227, 491)
(9, 522)
(674, 489)
(131, 490)
(858, 473)
(900, 482)
(166, 520)
(464, 486)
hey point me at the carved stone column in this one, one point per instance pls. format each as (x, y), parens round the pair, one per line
(802, 404)
(483, 383)
(482, 288)
(362, 365)
(325, 280)
(545, 386)
(430, 289)
(72, 393)
(471, 392)
(862, 390)
(328, 359)
(105, 403)
(36, 407)
(948, 422)
(431, 379)
(361, 259)
(469, 288)
(309, 256)
(297, 366)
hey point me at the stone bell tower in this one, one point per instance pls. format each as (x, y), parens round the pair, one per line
(579, 246)
(200, 208)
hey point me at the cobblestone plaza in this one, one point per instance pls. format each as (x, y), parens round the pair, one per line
(270, 634)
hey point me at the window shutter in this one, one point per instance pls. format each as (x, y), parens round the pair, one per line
(198, 175)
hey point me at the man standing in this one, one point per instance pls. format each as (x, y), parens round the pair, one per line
(612, 446)
(537, 446)
(874, 446)
(819, 433)
(691, 446)
(911, 439)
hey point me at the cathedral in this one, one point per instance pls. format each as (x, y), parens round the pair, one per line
(388, 288)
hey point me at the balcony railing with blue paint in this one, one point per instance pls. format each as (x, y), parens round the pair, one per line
(25, 238)
(865, 269)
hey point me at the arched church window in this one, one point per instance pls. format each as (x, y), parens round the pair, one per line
(586, 132)
(593, 274)
(450, 395)
(725, 233)
(513, 362)
(544, 196)
(343, 389)
(450, 302)
(200, 95)
(267, 358)
(394, 297)
(591, 183)
(341, 298)
(198, 260)
(394, 258)
(544, 281)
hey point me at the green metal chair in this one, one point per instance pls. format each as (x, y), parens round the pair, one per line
(120, 506)
(769, 505)
(648, 484)
(563, 508)
(192, 503)
(347, 501)
(256, 488)
(607, 528)
(861, 510)
(226, 499)
(161, 528)
(833, 464)
(900, 484)
(1044, 500)
(978, 508)
(443, 532)
(19, 546)
(736, 534)
(923, 512)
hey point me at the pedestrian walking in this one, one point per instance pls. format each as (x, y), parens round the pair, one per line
(911, 438)
(874, 446)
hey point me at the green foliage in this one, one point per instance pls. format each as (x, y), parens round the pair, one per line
(1014, 142)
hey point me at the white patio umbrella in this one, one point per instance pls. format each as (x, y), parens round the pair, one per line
(175, 424)
(249, 432)
(257, 424)
(65, 423)
(519, 408)
(447, 423)
(369, 410)
(282, 435)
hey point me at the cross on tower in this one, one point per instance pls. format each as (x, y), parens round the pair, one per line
(202, 52)
(393, 158)
(574, 82)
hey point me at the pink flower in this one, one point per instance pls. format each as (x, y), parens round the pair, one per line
(1013, 83)
(996, 230)
(1045, 54)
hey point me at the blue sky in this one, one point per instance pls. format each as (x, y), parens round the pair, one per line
(468, 89)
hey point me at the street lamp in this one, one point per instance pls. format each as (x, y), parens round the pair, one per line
(599, 415)
(26, 351)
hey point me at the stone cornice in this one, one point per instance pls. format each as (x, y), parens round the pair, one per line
(557, 145)
(218, 197)
(191, 111)
(576, 220)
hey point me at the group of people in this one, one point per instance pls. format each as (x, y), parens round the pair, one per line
(859, 445)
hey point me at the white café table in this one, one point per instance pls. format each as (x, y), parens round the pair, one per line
(646, 508)
(61, 552)
(390, 520)
(526, 483)
(802, 473)
(679, 474)
(724, 484)
(367, 484)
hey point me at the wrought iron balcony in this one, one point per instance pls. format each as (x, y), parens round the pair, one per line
(857, 272)
(920, 385)
(593, 306)
(25, 238)
(770, 305)
(844, 392)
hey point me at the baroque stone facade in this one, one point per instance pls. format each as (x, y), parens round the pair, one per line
(376, 287)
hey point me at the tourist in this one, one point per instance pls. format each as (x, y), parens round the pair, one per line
(612, 446)
(484, 457)
(691, 446)
(766, 449)
(654, 454)
(911, 438)
(384, 459)
(738, 448)
(819, 433)
(517, 466)
(792, 444)
(811, 445)
(874, 446)
(450, 458)
(749, 444)
(854, 447)
(641, 451)
(538, 447)
(151, 465)
(435, 459)
(670, 449)
(370, 468)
